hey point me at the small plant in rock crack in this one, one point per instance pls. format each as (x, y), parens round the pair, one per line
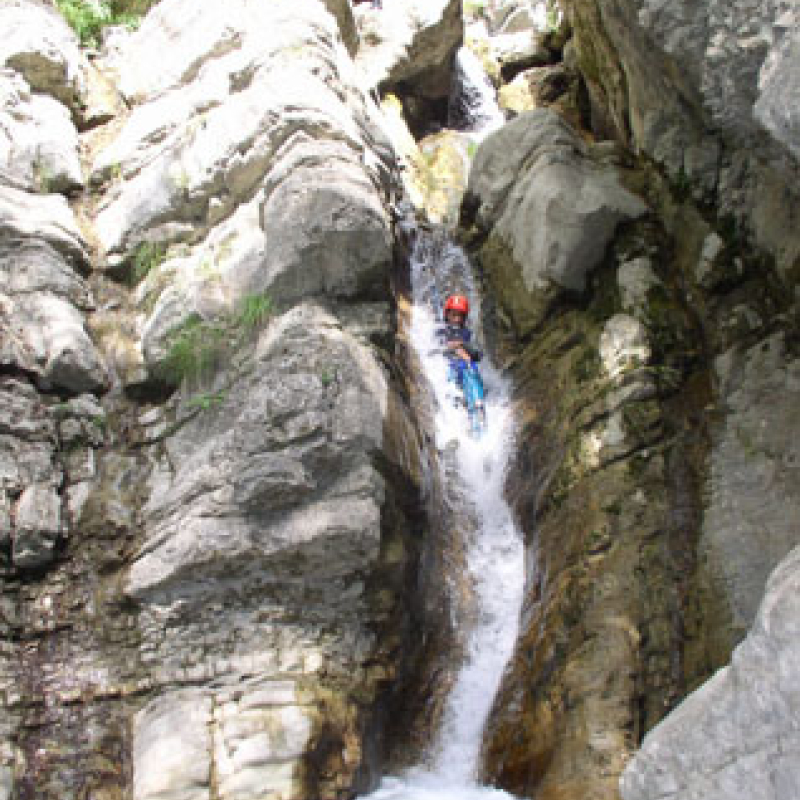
(474, 9)
(198, 347)
(327, 377)
(206, 400)
(43, 176)
(253, 311)
(146, 257)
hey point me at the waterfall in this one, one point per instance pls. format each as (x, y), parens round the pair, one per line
(473, 103)
(476, 472)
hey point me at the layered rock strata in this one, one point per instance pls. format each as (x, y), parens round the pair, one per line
(705, 91)
(210, 511)
(656, 370)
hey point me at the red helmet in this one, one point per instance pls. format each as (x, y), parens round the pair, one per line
(457, 302)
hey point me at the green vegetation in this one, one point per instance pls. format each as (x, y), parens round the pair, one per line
(253, 311)
(327, 377)
(207, 400)
(43, 176)
(474, 9)
(553, 16)
(196, 348)
(146, 257)
(199, 346)
(88, 19)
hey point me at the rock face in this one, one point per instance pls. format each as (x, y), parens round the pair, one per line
(661, 77)
(534, 168)
(215, 564)
(42, 253)
(219, 544)
(652, 341)
(408, 48)
(737, 735)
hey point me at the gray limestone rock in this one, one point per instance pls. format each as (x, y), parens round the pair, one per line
(5, 520)
(705, 89)
(6, 783)
(37, 526)
(555, 208)
(42, 294)
(27, 439)
(635, 279)
(42, 217)
(738, 735)
(187, 168)
(624, 346)
(283, 470)
(513, 16)
(738, 55)
(172, 748)
(753, 506)
(520, 50)
(39, 44)
(38, 141)
(779, 84)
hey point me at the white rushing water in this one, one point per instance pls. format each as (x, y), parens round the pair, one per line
(473, 100)
(494, 550)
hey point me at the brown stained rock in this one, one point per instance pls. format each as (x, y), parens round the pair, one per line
(601, 457)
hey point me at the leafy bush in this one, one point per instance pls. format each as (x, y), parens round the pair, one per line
(88, 18)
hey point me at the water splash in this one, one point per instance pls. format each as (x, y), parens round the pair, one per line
(494, 551)
(473, 101)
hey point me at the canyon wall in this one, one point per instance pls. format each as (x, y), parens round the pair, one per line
(210, 481)
(655, 354)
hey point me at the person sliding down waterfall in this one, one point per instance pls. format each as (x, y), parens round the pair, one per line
(463, 357)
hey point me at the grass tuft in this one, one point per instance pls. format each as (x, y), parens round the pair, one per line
(198, 347)
(146, 257)
(253, 311)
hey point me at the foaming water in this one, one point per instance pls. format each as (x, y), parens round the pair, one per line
(476, 471)
(473, 100)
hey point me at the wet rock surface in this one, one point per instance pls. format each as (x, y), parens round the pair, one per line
(215, 570)
(648, 480)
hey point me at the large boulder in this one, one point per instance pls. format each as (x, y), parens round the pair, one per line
(254, 491)
(269, 536)
(534, 186)
(736, 736)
